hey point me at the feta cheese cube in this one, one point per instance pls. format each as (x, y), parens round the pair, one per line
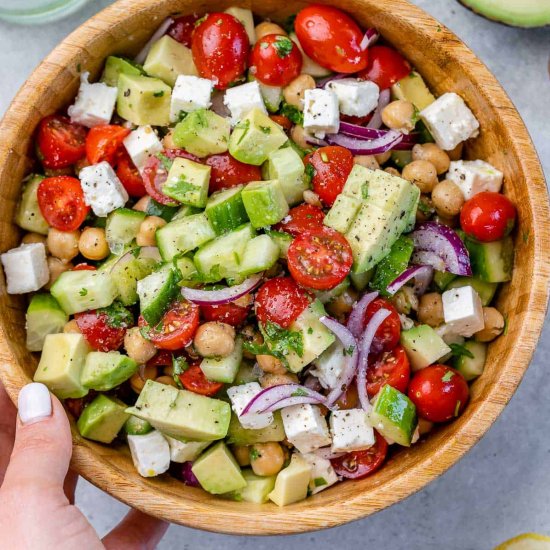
(94, 104)
(240, 396)
(448, 335)
(463, 311)
(321, 112)
(25, 268)
(329, 366)
(189, 94)
(184, 451)
(450, 121)
(141, 144)
(355, 97)
(322, 473)
(475, 176)
(240, 100)
(305, 427)
(150, 453)
(102, 188)
(351, 431)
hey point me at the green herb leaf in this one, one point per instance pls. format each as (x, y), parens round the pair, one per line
(292, 113)
(253, 453)
(117, 315)
(310, 172)
(243, 125)
(300, 392)
(457, 350)
(83, 292)
(283, 45)
(349, 351)
(282, 341)
(320, 481)
(165, 161)
(447, 376)
(265, 129)
(365, 191)
(160, 93)
(180, 365)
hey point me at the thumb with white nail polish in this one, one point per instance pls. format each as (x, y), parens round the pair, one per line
(34, 403)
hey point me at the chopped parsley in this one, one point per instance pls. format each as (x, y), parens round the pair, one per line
(265, 129)
(292, 113)
(160, 93)
(283, 45)
(340, 51)
(83, 292)
(447, 376)
(283, 341)
(310, 330)
(264, 45)
(182, 186)
(117, 315)
(179, 365)
(458, 350)
(243, 125)
(349, 351)
(201, 20)
(310, 172)
(254, 454)
(425, 208)
(365, 190)
(300, 392)
(320, 481)
(165, 161)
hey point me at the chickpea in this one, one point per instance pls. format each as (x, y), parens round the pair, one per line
(430, 309)
(56, 267)
(31, 238)
(241, 454)
(425, 209)
(368, 161)
(63, 244)
(405, 300)
(252, 336)
(166, 380)
(269, 380)
(393, 171)
(137, 347)
(147, 230)
(494, 325)
(456, 153)
(52, 172)
(295, 91)
(310, 197)
(299, 136)
(382, 158)
(93, 244)
(434, 154)
(137, 381)
(424, 426)
(343, 304)
(142, 204)
(214, 339)
(269, 363)
(422, 173)
(168, 140)
(447, 198)
(449, 222)
(399, 115)
(267, 27)
(71, 327)
(267, 459)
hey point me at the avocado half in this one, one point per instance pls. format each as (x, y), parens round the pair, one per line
(518, 13)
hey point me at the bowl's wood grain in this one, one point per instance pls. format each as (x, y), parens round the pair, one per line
(448, 65)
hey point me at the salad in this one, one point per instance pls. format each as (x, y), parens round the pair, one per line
(255, 255)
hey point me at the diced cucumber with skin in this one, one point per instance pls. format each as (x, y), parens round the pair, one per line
(442, 279)
(185, 211)
(393, 414)
(492, 262)
(44, 316)
(286, 166)
(393, 264)
(423, 346)
(224, 369)
(282, 240)
(360, 281)
(122, 228)
(163, 211)
(237, 435)
(105, 371)
(485, 290)
(102, 419)
(247, 373)
(260, 254)
(471, 367)
(78, 291)
(187, 182)
(257, 488)
(182, 236)
(187, 269)
(264, 202)
(28, 215)
(156, 292)
(342, 213)
(326, 296)
(225, 210)
(401, 158)
(137, 426)
(272, 96)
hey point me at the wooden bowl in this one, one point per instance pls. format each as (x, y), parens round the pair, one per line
(447, 65)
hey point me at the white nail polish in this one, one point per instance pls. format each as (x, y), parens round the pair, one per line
(34, 403)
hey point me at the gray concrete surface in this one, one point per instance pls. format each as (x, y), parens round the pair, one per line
(501, 488)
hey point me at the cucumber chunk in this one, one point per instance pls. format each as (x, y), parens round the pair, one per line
(264, 202)
(137, 426)
(225, 210)
(28, 215)
(326, 296)
(393, 264)
(472, 367)
(224, 369)
(105, 371)
(286, 166)
(163, 211)
(260, 254)
(361, 280)
(44, 316)
(442, 279)
(187, 270)
(272, 96)
(185, 211)
(122, 227)
(423, 346)
(282, 240)
(492, 262)
(156, 292)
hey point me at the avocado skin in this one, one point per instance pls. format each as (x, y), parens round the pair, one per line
(486, 9)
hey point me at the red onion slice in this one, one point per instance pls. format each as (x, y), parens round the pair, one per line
(366, 147)
(366, 342)
(383, 99)
(357, 316)
(422, 275)
(223, 296)
(371, 36)
(278, 397)
(439, 246)
(159, 33)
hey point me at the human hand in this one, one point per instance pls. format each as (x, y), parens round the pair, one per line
(37, 489)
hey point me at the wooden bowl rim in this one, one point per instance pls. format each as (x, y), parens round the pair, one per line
(228, 517)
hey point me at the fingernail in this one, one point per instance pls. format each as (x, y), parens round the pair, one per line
(34, 403)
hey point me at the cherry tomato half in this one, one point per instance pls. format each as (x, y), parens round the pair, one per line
(130, 177)
(182, 28)
(332, 165)
(176, 328)
(388, 334)
(275, 60)
(392, 367)
(360, 464)
(231, 313)
(280, 300)
(331, 38)
(301, 218)
(488, 216)
(193, 379)
(220, 49)
(283, 121)
(439, 392)
(61, 201)
(105, 142)
(103, 332)
(349, 399)
(227, 171)
(386, 66)
(320, 258)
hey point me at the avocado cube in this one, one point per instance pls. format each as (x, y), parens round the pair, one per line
(237, 435)
(168, 58)
(187, 182)
(423, 346)
(391, 193)
(115, 66)
(286, 166)
(61, 364)
(44, 316)
(264, 202)
(28, 215)
(182, 414)
(255, 137)
(342, 213)
(413, 88)
(102, 419)
(218, 471)
(356, 185)
(104, 371)
(137, 426)
(224, 369)
(143, 100)
(292, 482)
(257, 488)
(203, 133)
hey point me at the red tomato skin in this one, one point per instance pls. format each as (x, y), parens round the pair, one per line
(61, 143)
(283, 121)
(392, 368)
(280, 300)
(182, 29)
(360, 464)
(193, 379)
(300, 219)
(230, 313)
(331, 38)
(488, 216)
(332, 165)
(61, 201)
(386, 66)
(130, 177)
(95, 328)
(220, 49)
(270, 65)
(84, 267)
(227, 172)
(439, 392)
(388, 334)
(103, 143)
